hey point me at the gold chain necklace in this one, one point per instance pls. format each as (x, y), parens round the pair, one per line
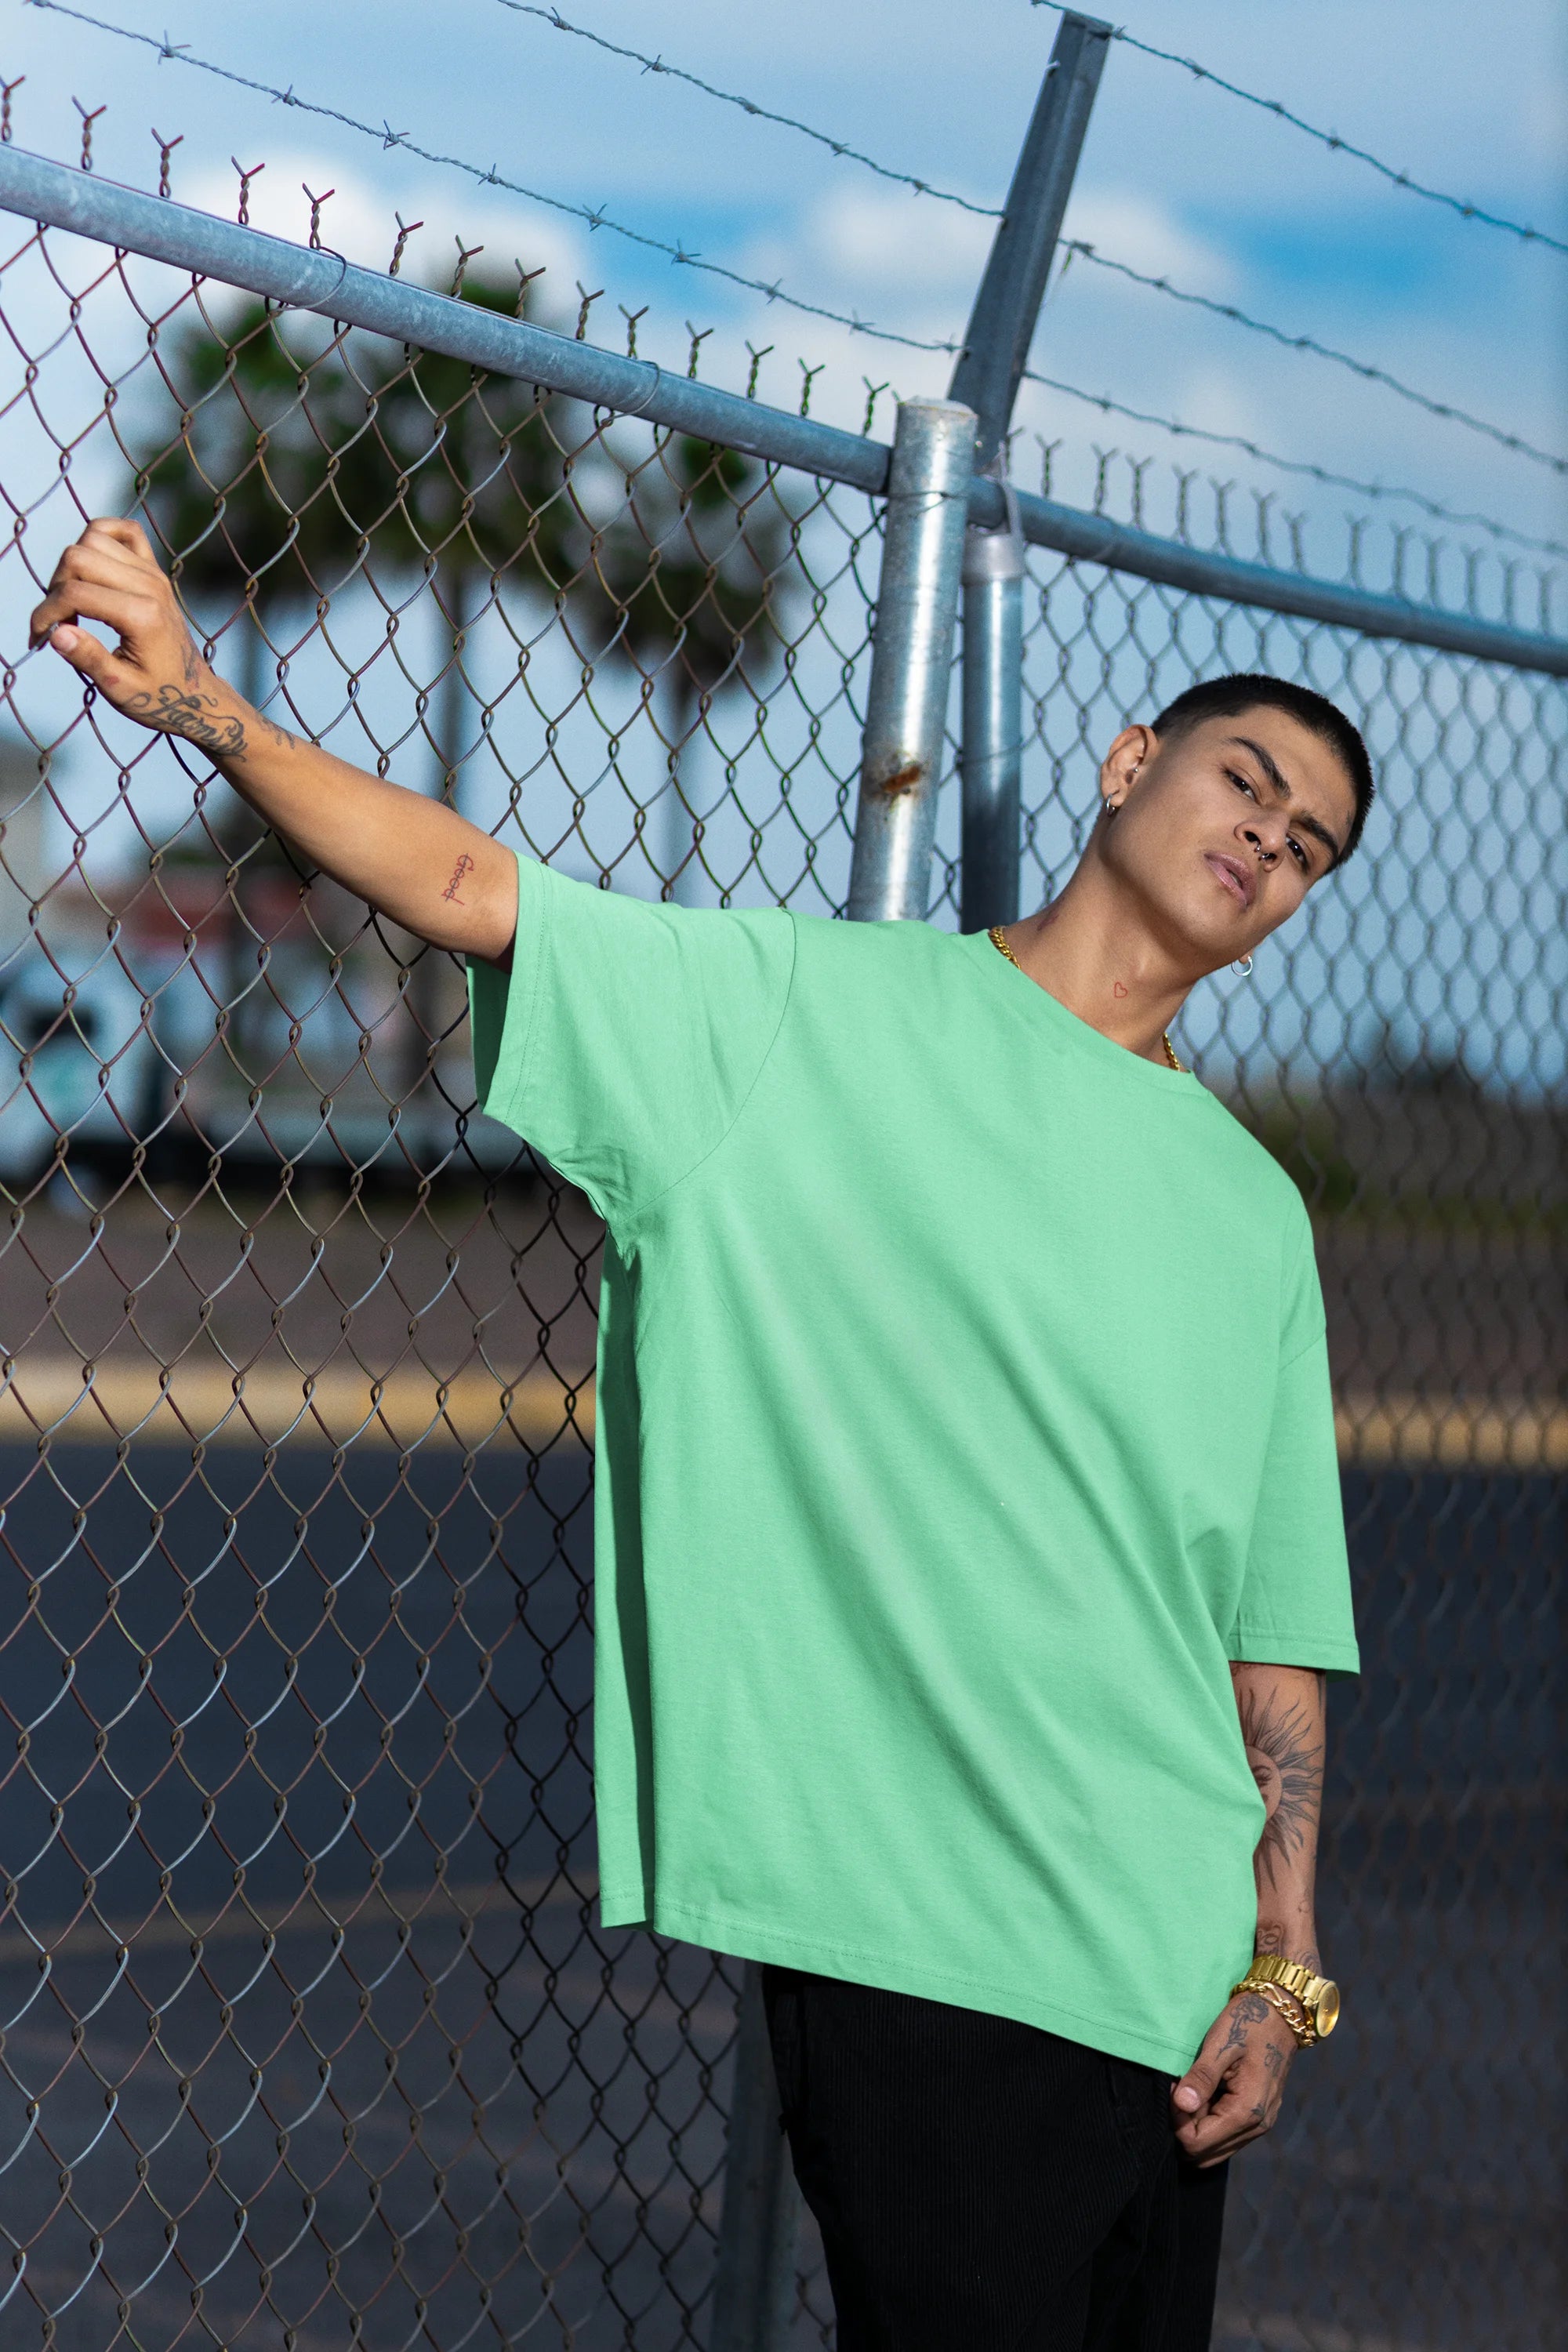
(998, 941)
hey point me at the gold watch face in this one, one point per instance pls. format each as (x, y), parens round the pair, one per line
(1327, 2009)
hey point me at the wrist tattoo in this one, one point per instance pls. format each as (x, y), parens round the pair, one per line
(1275, 1938)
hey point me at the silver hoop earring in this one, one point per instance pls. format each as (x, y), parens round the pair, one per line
(1244, 968)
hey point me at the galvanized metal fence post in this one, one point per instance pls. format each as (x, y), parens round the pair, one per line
(990, 365)
(911, 662)
(901, 765)
(991, 761)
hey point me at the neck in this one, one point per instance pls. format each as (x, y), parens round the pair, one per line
(1090, 951)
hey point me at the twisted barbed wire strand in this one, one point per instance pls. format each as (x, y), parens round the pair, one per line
(1332, 140)
(1331, 481)
(597, 218)
(178, 53)
(1366, 369)
(838, 147)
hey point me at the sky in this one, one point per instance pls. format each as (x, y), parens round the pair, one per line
(1177, 178)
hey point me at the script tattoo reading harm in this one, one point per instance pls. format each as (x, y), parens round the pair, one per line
(464, 866)
(1287, 1759)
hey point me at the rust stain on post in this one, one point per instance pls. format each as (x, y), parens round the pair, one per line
(902, 780)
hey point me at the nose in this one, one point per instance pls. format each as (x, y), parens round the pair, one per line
(1266, 841)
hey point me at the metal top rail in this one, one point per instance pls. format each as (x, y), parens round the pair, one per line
(312, 278)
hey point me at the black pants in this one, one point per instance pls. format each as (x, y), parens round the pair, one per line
(984, 2186)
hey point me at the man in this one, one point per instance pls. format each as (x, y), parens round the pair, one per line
(968, 1513)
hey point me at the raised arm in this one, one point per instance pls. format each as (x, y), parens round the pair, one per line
(415, 860)
(1232, 2091)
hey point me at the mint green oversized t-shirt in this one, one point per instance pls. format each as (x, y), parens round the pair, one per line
(962, 1409)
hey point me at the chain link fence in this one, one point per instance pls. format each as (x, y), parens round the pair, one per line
(309, 2033)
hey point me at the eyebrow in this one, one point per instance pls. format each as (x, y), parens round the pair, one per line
(1281, 783)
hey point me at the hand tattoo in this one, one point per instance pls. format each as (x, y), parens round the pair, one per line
(174, 713)
(464, 866)
(1286, 1763)
(187, 715)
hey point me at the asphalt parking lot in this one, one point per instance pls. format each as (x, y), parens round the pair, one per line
(319, 1735)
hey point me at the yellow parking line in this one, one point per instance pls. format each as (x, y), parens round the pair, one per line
(1518, 1434)
(277, 1404)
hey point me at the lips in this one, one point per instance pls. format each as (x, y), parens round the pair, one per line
(1233, 874)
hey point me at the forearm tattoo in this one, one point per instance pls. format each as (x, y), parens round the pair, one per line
(1284, 1748)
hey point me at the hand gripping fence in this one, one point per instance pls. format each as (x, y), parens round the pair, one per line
(309, 2033)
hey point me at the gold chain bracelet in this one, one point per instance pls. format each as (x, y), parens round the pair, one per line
(1292, 2010)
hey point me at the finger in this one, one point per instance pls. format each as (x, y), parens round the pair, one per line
(1213, 2130)
(1204, 2078)
(104, 561)
(124, 610)
(1224, 2154)
(123, 533)
(87, 654)
(1238, 2114)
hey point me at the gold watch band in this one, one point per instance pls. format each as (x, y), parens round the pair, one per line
(1319, 1997)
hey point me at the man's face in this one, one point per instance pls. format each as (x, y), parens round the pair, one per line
(1224, 828)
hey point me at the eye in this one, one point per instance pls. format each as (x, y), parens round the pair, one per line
(1241, 782)
(1300, 855)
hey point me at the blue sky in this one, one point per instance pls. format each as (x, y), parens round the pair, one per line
(1176, 178)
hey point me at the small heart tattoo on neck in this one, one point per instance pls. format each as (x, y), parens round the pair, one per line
(1117, 988)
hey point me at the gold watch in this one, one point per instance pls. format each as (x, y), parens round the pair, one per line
(1319, 1997)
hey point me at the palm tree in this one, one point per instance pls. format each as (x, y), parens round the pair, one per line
(303, 461)
(695, 573)
(295, 470)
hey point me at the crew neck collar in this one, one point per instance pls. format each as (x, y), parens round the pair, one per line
(1071, 1033)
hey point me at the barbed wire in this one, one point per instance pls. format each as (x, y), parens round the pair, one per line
(1173, 424)
(596, 218)
(749, 106)
(1331, 139)
(178, 53)
(1364, 368)
(1367, 370)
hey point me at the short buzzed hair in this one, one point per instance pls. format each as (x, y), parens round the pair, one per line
(1227, 697)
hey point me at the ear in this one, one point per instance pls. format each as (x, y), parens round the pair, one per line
(1130, 753)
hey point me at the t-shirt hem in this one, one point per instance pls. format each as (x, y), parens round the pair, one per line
(747, 1940)
(1274, 1645)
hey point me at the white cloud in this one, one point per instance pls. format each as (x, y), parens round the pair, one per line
(1126, 226)
(894, 258)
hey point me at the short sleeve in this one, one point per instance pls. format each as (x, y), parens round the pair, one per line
(626, 1039)
(1295, 1607)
